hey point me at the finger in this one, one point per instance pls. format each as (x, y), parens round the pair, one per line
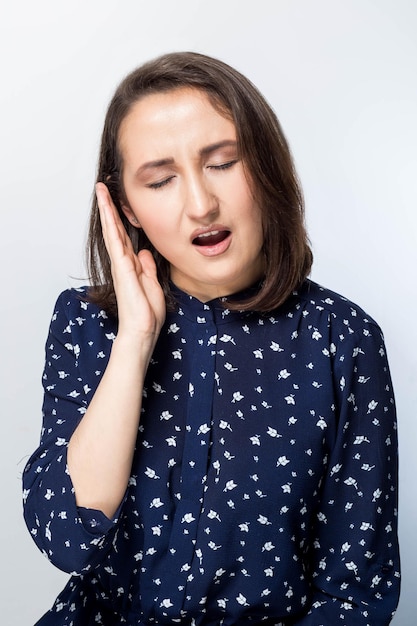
(148, 263)
(103, 195)
(114, 232)
(152, 286)
(102, 203)
(105, 204)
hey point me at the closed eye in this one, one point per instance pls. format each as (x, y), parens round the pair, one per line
(223, 166)
(166, 181)
(160, 184)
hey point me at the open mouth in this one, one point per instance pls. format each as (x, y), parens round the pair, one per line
(211, 238)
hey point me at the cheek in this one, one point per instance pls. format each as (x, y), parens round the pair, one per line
(244, 201)
(252, 213)
(158, 231)
(147, 212)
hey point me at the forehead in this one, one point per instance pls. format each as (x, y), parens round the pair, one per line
(174, 116)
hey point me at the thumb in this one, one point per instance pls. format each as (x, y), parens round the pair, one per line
(148, 263)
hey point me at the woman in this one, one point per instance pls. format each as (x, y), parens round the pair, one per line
(219, 442)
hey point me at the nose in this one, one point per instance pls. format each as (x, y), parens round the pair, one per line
(200, 202)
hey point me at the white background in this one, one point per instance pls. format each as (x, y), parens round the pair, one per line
(342, 78)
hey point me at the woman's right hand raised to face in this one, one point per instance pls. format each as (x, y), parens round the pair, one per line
(101, 449)
(140, 299)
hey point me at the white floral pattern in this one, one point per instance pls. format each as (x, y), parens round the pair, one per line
(264, 484)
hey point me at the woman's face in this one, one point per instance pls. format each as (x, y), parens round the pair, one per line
(186, 186)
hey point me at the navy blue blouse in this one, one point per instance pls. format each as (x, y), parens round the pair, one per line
(264, 483)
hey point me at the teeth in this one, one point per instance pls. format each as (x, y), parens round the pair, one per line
(211, 233)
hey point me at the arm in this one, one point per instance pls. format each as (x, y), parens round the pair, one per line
(355, 560)
(101, 450)
(79, 340)
(76, 480)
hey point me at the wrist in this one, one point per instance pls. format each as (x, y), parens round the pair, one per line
(136, 346)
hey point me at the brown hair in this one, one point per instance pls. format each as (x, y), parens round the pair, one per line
(264, 152)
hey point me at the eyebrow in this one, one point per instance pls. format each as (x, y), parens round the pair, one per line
(203, 152)
(217, 146)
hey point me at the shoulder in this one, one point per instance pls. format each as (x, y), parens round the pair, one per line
(73, 311)
(336, 304)
(337, 308)
(76, 300)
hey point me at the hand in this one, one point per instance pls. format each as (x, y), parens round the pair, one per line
(140, 299)
(101, 449)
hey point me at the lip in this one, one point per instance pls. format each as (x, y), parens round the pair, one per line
(215, 249)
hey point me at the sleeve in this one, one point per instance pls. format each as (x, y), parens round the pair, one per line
(354, 555)
(73, 539)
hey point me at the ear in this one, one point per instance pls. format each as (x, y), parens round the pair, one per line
(130, 216)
